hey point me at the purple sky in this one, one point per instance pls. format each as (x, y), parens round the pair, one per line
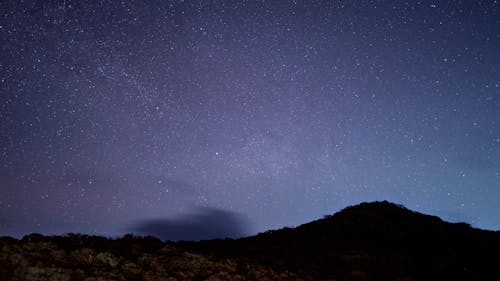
(272, 112)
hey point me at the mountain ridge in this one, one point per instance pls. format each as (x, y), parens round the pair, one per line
(369, 241)
(376, 219)
(425, 245)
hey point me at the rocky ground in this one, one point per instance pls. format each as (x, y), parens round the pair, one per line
(47, 258)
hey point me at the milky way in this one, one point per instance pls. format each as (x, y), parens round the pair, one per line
(279, 112)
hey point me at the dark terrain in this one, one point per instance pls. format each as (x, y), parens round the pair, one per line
(370, 241)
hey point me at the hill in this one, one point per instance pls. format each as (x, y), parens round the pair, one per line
(370, 241)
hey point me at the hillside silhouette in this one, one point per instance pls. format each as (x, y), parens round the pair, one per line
(369, 241)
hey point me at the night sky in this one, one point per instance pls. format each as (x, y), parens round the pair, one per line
(234, 117)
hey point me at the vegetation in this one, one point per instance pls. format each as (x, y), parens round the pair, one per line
(370, 241)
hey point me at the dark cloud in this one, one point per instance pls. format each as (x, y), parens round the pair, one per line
(205, 223)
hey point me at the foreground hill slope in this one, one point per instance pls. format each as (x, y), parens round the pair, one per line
(370, 241)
